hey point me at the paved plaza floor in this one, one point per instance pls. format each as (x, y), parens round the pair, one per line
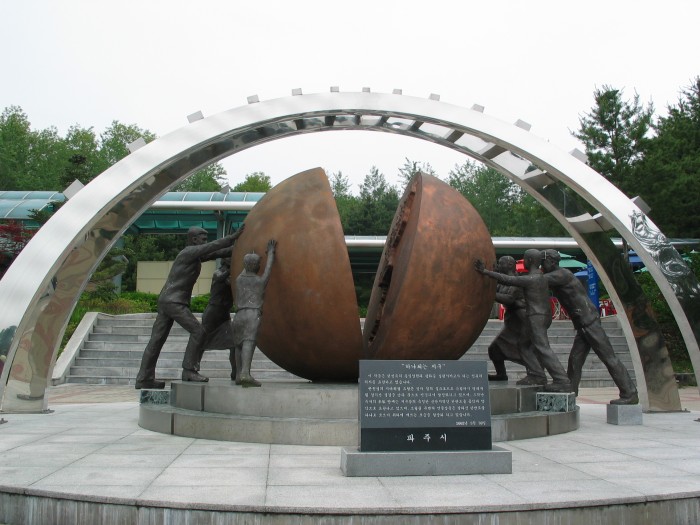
(91, 445)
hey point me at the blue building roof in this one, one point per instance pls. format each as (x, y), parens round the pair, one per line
(19, 205)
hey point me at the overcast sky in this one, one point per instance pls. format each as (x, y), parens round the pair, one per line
(152, 63)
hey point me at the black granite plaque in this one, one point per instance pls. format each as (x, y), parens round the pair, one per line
(424, 405)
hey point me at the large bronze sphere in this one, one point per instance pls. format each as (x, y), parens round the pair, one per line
(428, 302)
(310, 323)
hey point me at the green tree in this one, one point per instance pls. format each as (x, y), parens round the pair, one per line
(506, 209)
(163, 247)
(528, 218)
(375, 208)
(668, 177)
(211, 178)
(101, 284)
(47, 154)
(15, 140)
(411, 167)
(340, 185)
(345, 201)
(256, 182)
(83, 162)
(614, 133)
(489, 192)
(115, 139)
(42, 159)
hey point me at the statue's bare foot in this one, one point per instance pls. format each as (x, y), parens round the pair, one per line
(248, 381)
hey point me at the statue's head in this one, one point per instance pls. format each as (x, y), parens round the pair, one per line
(506, 264)
(550, 260)
(197, 235)
(532, 255)
(532, 258)
(251, 262)
(552, 255)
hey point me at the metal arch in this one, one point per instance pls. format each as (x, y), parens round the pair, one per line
(40, 290)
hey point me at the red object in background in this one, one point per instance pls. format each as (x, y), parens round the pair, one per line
(558, 312)
(607, 308)
(13, 238)
(520, 266)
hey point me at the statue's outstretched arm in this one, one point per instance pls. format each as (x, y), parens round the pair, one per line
(220, 247)
(271, 248)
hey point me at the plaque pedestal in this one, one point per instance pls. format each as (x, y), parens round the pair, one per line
(624, 414)
(354, 463)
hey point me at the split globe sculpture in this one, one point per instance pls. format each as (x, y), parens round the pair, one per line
(39, 291)
(426, 302)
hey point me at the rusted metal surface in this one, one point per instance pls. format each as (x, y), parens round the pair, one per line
(428, 302)
(310, 324)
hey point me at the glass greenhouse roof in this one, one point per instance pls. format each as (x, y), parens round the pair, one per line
(19, 205)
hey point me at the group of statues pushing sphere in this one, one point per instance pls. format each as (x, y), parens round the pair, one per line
(523, 339)
(216, 329)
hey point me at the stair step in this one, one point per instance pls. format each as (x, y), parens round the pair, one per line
(112, 354)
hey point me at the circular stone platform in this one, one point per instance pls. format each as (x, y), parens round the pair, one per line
(304, 413)
(90, 463)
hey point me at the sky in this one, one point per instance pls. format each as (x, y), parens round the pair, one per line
(153, 62)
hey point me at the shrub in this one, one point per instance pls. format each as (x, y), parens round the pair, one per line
(148, 299)
(199, 303)
(117, 306)
(672, 334)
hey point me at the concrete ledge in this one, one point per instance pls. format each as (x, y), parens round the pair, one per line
(518, 426)
(354, 463)
(503, 400)
(73, 346)
(527, 398)
(284, 399)
(303, 413)
(34, 506)
(224, 427)
(562, 422)
(624, 414)
(187, 395)
(156, 420)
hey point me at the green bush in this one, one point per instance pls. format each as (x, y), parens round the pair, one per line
(199, 303)
(672, 334)
(130, 303)
(150, 299)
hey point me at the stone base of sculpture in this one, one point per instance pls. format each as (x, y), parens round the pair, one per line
(304, 413)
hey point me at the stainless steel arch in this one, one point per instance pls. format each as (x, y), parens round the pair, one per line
(40, 289)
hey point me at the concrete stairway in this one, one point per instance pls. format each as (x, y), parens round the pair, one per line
(111, 353)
